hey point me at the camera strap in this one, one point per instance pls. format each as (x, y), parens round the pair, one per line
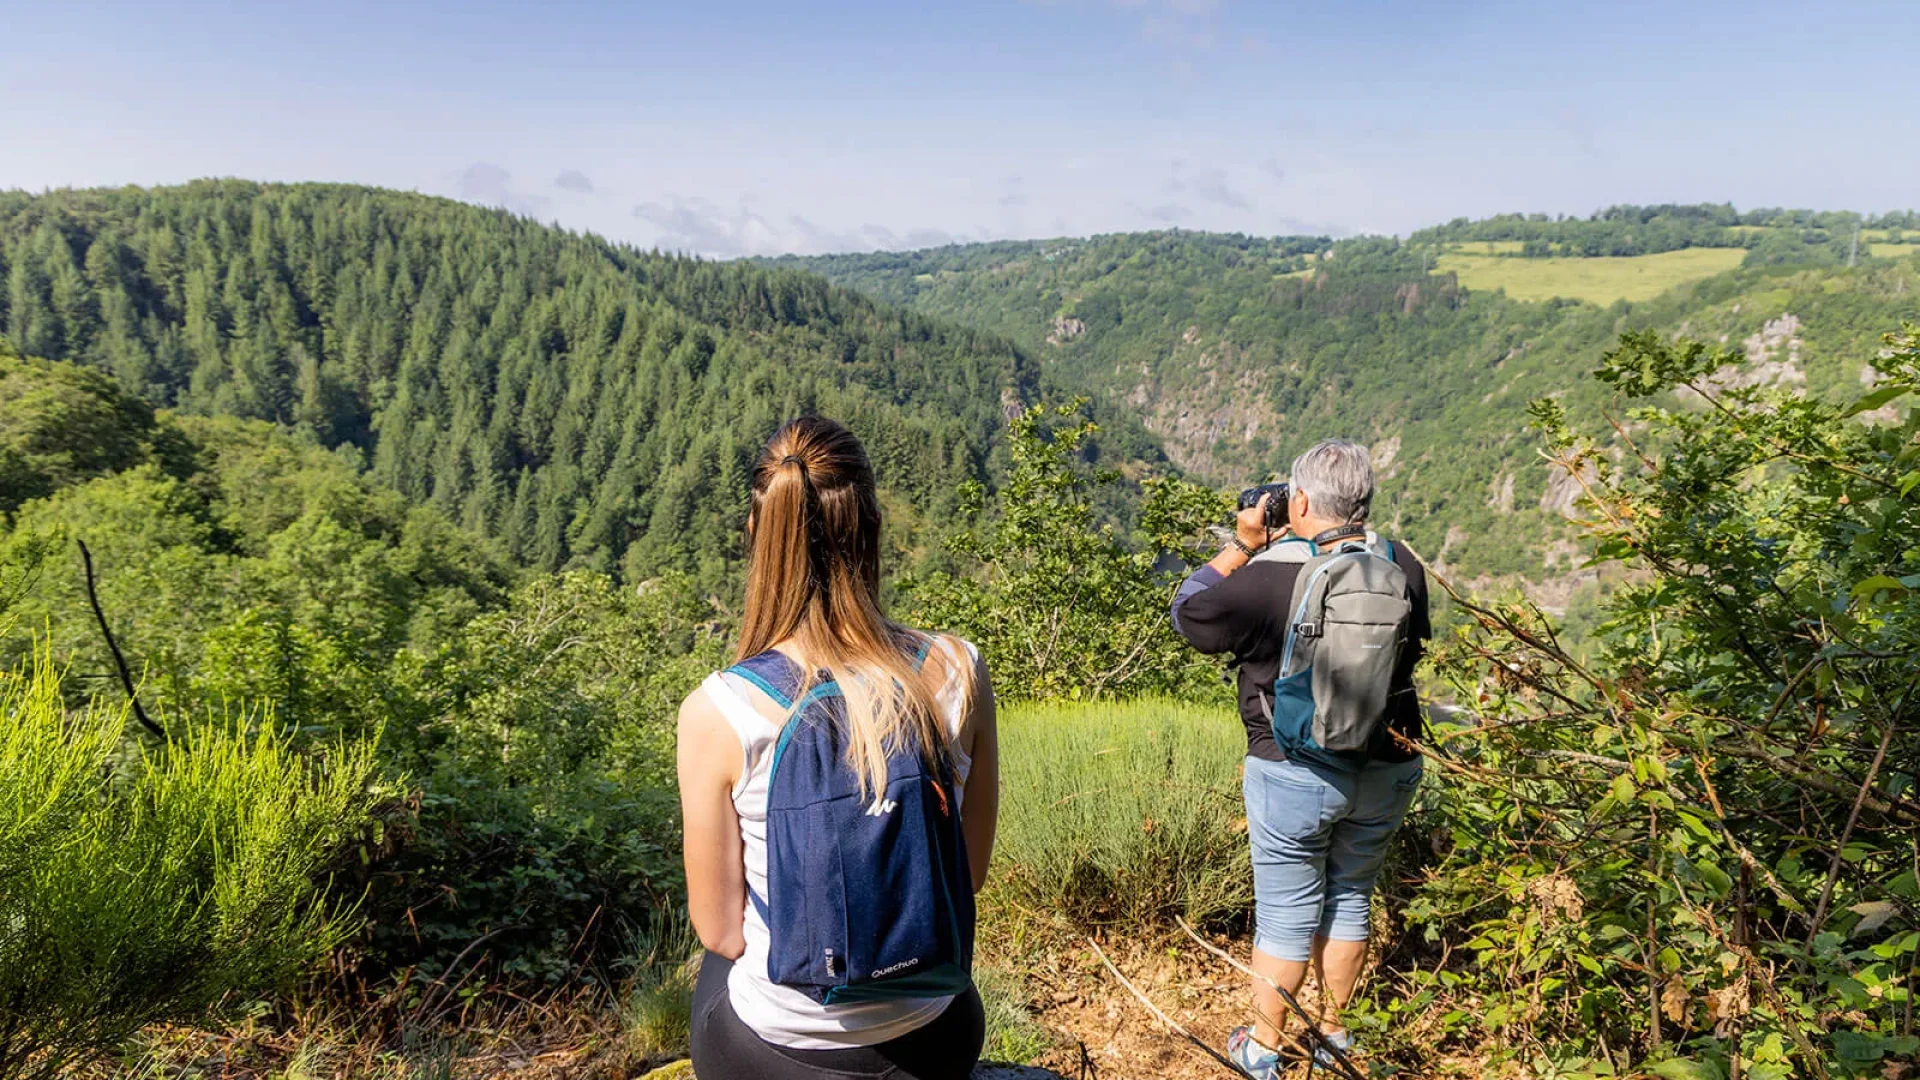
(1338, 533)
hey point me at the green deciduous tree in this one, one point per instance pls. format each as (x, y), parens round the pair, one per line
(1062, 603)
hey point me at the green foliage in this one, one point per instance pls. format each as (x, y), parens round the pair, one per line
(1060, 604)
(139, 886)
(1700, 845)
(583, 403)
(1119, 815)
(547, 824)
(60, 425)
(532, 723)
(1239, 353)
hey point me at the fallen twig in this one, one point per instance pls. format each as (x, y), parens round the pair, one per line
(1313, 1029)
(119, 661)
(1170, 1023)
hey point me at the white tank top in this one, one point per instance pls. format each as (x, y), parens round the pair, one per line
(780, 1014)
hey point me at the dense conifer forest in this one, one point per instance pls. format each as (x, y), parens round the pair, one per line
(583, 403)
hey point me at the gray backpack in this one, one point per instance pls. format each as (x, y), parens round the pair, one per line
(1346, 624)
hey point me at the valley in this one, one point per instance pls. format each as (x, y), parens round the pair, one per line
(1237, 356)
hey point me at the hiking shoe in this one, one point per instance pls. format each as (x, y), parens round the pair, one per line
(1323, 1058)
(1253, 1059)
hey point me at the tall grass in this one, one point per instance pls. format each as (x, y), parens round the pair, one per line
(149, 884)
(1120, 815)
(657, 1007)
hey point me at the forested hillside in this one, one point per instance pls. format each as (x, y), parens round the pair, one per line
(1239, 352)
(584, 403)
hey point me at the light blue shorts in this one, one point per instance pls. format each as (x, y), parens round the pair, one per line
(1319, 837)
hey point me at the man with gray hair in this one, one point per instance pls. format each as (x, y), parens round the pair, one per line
(1319, 822)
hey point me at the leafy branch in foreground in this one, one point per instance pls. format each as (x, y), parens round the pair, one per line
(1699, 850)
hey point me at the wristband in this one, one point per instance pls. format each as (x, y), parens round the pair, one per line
(1244, 549)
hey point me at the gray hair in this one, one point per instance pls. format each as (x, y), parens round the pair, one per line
(1337, 476)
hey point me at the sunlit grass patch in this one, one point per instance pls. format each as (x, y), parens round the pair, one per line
(1013, 1035)
(658, 1007)
(1883, 250)
(1600, 280)
(1120, 815)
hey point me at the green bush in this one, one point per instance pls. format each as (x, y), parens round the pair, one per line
(1061, 602)
(1120, 815)
(144, 885)
(546, 824)
(1695, 852)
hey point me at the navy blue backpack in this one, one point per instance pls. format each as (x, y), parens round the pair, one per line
(868, 899)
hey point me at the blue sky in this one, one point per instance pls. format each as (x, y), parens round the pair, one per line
(733, 127)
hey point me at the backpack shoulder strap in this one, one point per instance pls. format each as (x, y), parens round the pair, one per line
(774, 673)
(780, 678)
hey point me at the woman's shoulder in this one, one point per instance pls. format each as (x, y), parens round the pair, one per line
(698, 708)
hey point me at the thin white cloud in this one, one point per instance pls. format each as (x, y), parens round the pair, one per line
(1208, 184)
(699, 227)
(1186, 29)
(489, 184)
(575, 181)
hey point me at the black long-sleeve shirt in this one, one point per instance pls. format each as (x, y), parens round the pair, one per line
(1244, 614)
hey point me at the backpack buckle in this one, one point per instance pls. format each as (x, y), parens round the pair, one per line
(1307, 629)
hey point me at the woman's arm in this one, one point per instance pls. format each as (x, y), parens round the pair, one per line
(980, 807)
(709, 763)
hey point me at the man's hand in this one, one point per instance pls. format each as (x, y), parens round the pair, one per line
(1249, 528)
(1250, 525)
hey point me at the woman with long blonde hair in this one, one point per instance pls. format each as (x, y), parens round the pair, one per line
(838, 787)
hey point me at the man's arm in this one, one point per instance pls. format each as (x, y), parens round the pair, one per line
(1206, 616)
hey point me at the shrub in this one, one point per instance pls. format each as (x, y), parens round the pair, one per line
(1120, 815)
(144, 885)
(546, 824)
(1698, 850)
(1061, 603)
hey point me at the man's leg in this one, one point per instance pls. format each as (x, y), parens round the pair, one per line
(1356, 849)
(1289, 828)
(1269, 1010)
(1338, 964)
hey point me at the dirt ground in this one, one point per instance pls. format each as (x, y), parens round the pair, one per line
(1108, 1034)
(1102, 1031)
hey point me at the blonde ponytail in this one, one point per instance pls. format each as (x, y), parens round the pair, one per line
(813, 578)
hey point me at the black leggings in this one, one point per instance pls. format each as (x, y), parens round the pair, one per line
(724, 1048)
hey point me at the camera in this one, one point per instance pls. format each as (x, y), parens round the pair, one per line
(1276, 506)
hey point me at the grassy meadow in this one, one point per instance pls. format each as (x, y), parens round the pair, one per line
(1119, 814)
(1600, 280)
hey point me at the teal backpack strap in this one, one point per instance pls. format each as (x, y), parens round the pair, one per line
(775, 674)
